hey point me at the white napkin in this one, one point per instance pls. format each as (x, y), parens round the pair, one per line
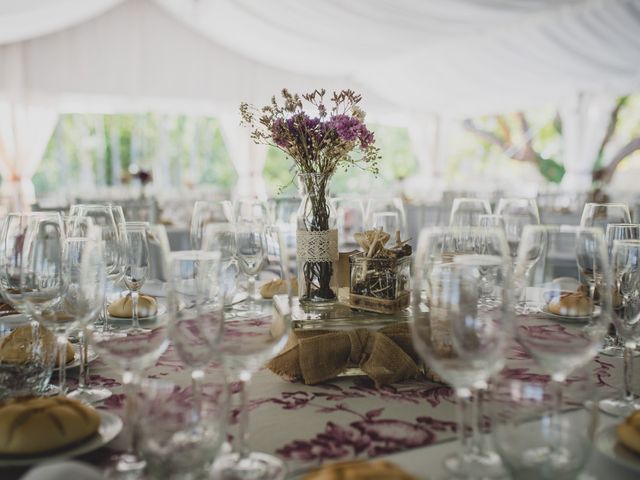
(63, 471)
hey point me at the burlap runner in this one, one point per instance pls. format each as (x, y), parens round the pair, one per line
(315, 356)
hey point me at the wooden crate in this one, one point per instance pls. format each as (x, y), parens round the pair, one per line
(379, 305)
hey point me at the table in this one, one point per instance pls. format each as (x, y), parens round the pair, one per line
(412, 423)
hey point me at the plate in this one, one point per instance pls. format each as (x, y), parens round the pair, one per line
(568, 318)
(110, 427)
(239, 297)
(75, 363)
(162, 309)
(608, 445)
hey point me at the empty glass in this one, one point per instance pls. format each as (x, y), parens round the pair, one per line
(250, 210)
(388, 204)
(221, 237)
(465, 212)
(251, 253)
(626, 318)
(42, 282)
(206, 213)
(135, 263)
(602, 214)
(534, 443)
(516, 214)
(195, 311)
(460, 335)
(350, 215)
(388, 221)
(246, 345)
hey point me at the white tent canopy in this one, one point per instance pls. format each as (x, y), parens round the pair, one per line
(410, 58)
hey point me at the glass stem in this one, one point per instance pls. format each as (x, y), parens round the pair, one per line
(196, 387)
(556, 418)
(82, 378)
(130, 409)
(479, 443)
(251, 288)
(243, 424)
(463, 404)
(629, 348)
(61, 343)
(135, 296)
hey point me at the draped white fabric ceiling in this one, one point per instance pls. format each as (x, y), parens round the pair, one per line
(458, 57)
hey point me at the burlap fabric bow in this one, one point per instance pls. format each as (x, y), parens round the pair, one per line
(315, 356)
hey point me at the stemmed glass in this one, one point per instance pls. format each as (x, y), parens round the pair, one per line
(247, 343)
(563, 342)
(465, 212)
(251, 251)
(206, 213)
(42, 282)
(250, 210)
(625, 261)
(388, 221)
(389, 204)
(135, 263)
(460, 335)
(601, 215)
(221, 237)
(516, 214)
(195, 311)
(82, 298)
(131, 347)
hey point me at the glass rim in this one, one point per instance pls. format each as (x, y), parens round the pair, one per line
(562, 228)
(627, 242)
(194, 255)
(624, 224)
(617, 204)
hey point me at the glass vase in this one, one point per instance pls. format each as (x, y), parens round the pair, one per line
(317, 242)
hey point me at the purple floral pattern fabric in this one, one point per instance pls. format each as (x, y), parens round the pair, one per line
(349, 418)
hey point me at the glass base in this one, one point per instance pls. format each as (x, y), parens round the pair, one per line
(127, 466)
(619, 407)
(256, 466)
(476, 465)
(90, 395)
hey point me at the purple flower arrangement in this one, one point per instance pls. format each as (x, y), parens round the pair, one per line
(334, 135)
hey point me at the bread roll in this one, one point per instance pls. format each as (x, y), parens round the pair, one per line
(18, 346)
(36, 425)
(629, 432)
(123, 307)
(277, 287)
(571, 304)
(376, 470)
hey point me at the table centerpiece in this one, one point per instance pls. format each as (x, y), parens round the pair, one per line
(327, 136)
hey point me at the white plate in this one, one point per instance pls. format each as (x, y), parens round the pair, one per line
(240, 296)
(608, 445)
(570, 318)
(75, 363)
(162, 309)
(110, 427)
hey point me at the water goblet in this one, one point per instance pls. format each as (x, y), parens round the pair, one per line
(174, 443)
(465, 212)
(221, 237)
(388, 221)
(625, 260)
(135, 263)
(195, 311)
(207, 213)
(516, 214)
(530, 449)
(461, 337)
(251, 251)
(247, 343)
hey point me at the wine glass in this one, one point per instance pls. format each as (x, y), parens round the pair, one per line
(251, 251)
(221, 237)
(83, 297)
(388, 221)
(523, 413)
(571, 329)
(491, 220)
(621, 231)
(462, 337)
(174, 443)
(465, 212)
(130, 346)
(206, 213)
(386, 204)
(250, 210)
(625, 260)
(42, 282)
(135, 263)
(195, 311)
(516, 214)
(247, 343)
(600, 215)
